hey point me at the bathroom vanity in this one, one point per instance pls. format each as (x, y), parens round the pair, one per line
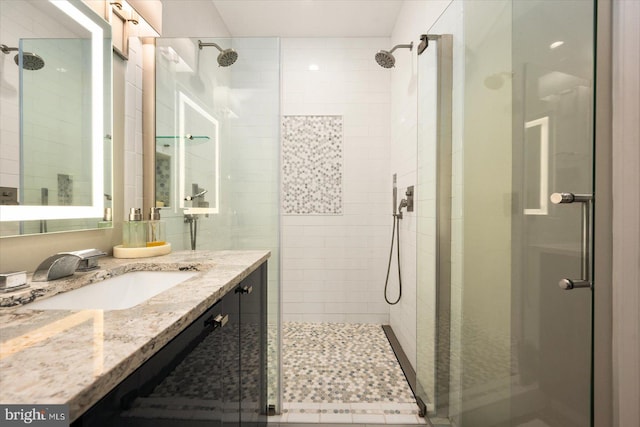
(192, 355)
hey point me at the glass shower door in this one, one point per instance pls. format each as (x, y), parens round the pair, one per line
(217, 129)
(553, 92)
(506, 338)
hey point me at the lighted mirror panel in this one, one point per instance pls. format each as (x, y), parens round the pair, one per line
(55, 117)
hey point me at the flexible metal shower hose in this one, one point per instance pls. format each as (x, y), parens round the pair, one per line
(396, 229)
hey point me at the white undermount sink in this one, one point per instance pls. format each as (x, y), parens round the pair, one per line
(115, 293)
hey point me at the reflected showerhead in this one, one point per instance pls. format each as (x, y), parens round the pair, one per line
(30, 61)
(496, 80)
(385, 58)
(225, 58)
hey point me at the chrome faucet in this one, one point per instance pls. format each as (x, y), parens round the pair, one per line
(56, 267)
(65, 264)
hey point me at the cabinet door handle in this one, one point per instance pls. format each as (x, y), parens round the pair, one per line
(220, 320)
(247, 289)
(216, 322)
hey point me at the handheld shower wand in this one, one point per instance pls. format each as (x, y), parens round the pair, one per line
(395, 237)
(395, 193)
(397, 208)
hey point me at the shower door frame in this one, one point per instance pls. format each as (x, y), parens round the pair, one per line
(443, 223)
(602, 359)
(443, 209)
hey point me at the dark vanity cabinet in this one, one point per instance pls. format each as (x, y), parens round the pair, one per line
(212, 374)
(253, 351)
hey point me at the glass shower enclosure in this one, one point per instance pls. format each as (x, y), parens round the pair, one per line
(504, 234)
(218, 155)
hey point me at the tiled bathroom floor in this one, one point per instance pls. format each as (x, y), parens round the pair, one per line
(344, 374)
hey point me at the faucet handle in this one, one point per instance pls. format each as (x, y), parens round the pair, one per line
(88, 258)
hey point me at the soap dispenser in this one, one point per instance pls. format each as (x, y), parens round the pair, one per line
(134, 230)
(107, 219)
(155, 229)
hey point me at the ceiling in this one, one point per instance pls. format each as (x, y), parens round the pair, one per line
(309, 18)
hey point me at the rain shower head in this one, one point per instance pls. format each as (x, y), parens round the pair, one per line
(385, 58)
(225, 58)
(30, 61)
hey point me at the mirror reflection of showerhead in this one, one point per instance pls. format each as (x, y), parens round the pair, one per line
(496, 80)
(30, 61)
(385, 58)
(226, 57)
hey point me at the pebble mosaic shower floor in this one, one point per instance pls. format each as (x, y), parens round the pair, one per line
(343, 373)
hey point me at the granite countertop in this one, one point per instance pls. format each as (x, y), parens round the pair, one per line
(77, 356)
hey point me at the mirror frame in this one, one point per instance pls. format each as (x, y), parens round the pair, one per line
(96, 209)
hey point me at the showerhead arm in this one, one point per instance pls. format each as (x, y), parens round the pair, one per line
(201, 45)
(6, 49)
(225, 58)
(402, 46)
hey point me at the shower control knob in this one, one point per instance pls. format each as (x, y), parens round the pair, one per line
(568, 284)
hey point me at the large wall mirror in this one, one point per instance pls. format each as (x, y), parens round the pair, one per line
(55, 117)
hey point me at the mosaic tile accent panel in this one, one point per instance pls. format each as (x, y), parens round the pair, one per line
(312, 165)
(65, 190)
(163, 179)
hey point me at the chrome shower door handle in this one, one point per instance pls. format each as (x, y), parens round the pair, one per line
(587, 234)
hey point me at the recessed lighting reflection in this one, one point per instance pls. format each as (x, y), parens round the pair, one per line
(555, 45)
(314, 67)
(61, 70)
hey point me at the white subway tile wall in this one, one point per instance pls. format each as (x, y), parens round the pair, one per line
(403, 161)
(133, 128)
(334, 265)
